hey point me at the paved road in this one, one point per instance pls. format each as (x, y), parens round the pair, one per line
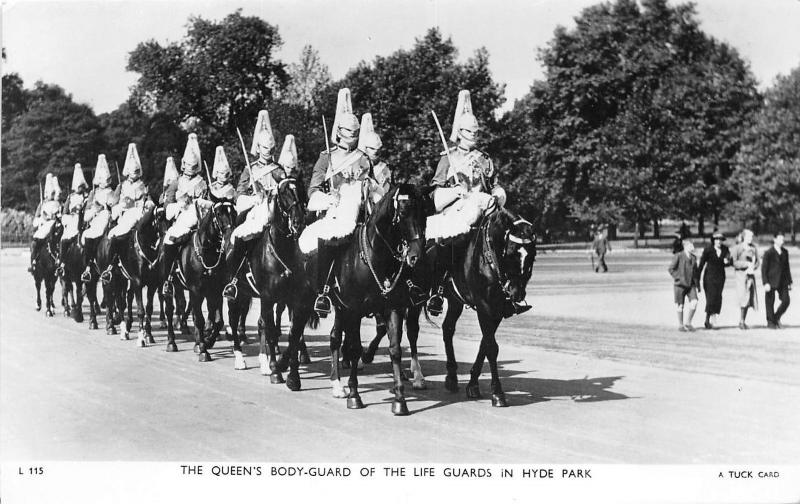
(595, 373)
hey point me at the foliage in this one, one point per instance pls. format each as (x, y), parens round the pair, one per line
(17, 226)
(639, 117)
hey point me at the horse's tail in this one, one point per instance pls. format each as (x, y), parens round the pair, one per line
(313, 320)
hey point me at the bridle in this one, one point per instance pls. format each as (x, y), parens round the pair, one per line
(491, 258)
(199, 249)
(291, 231)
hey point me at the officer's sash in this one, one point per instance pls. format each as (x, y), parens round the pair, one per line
(343, 164)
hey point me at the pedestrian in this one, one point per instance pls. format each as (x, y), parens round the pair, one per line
(745, 261)
(713, 261)
(677, 243)
(686, 277)
(600, 247)
(777, 278)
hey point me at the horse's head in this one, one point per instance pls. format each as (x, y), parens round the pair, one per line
(515, 244)
(406, 207)
(222, 215)
(290, 207)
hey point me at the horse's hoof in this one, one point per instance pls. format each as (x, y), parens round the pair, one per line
(305, 359)
(196, 348)
(93, 324)
(419, 385)
(150, 339)
(276, 378)
(78, 316)
(204, 357)
(283, 363)
(354, 402)
(210, 342)
(399, 407)
(142, 343)
(67, 313)
(499, 400)
(111, 330)
(451, 383)
(172, 347)
(473, 392)
(293, 381)
(368, 356)
(124, 336)
(337, 390)
(39, 308)
(50, 313)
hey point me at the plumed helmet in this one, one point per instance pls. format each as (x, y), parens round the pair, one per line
(170, 172)
(367, 136)
(465, 123)
(78, 179)
(190, 163)
(133, 166)
(102, 175)
(345, 122)
(52, 189)
(262, 134)
(288, 157)
(222, 170)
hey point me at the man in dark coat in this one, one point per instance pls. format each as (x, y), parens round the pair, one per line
(712, 269)
(686, 277)
(600, 247)
(776, 277)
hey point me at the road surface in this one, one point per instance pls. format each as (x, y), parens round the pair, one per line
(595, 372)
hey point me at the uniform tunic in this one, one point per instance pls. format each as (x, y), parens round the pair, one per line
(188, 190)
(133, 195)
(98, 212)
(72, 209)
(49, 212)
(266, 177)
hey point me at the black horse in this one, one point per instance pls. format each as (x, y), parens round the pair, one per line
(44, 263)
(114, 288)
(139, 265)
(275, 274)
(201, 271)
(373, 277)
(489, 273)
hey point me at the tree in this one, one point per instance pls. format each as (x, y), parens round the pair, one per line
(216, 78)
(50, 136)
(767, 174)
(639, 118)
(401, 90)
(307, 80)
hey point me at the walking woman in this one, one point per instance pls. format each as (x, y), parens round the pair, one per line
(712, 270)
(745, 262)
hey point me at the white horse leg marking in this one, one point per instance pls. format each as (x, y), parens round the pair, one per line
(238, 360)
(522, 255)
(337, 389)
(263, 360)
(419, 378)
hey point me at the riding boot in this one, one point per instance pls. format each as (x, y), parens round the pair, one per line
(322, 305)
(168, 264)
(234, 260)
(113, 254)
(88, 252)
(36, 245)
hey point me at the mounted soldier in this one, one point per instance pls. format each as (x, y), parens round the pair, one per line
(190, 195)
(336, 189)
(71, 212)
(256, 184)
(288, 158)
(369, 142)
(466, 185)
(47, 217)
(170, 184)
(98, 212)
(221, 186)
(133, 202)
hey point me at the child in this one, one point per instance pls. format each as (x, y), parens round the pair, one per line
(685, 273)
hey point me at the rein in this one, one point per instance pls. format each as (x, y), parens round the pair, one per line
(386, 286)
(199, 249)
(140, 251)
(490, 256)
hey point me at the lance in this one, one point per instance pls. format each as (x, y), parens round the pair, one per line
(327, 149)
(119, 177)
(451, 168)
(246, 160)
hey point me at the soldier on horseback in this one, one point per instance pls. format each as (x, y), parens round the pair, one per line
(73, 207)
(133, 202)
(255, 185)
(221, 186)
(98, 213)
(336, 190)
(47, 216)
(466, 185)
(170, 184)
(190, 192)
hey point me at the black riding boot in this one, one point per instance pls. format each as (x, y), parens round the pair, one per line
(322, 305)
(168, 264)
(113, 254)
(89, 246)
(36, 246)
(234, 260)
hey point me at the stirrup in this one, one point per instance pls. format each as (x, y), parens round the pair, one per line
(105, 276)
(230, 292)
(166, 288)
(60, 270)
(435, 305)
(415, 293)
(322, 305)
(86, 276)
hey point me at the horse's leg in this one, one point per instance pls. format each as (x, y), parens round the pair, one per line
(473, 390)
(305, 358)
(38, 281)
(214, 304)
(395, 331)
(66, 293)
(169, 311)
(412, 328)
(489, 326)
(353, 351)
(94, 307)
(244, 309)
(336, 348)
(110, 300)
(148, 320)
(128, 310)
(49, 290)
(454, 310)
(161, 316)
(380, 332)
(263, 358)
(234, 312)
(196, 305)
(77, 311)
(300, 315)
(141, 341)
(272, 333)
(184, 313)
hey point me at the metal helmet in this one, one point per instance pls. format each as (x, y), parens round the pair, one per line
(133, 166)
(368, 138)
(288, 157)
(170, 172)
(222, 170)
(190, 163)
(102, 175)
(345, 122)
(78, 179)
(52, 189)
(465, 124)
(262, 134)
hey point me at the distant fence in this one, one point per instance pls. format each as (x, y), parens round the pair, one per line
(16, 228)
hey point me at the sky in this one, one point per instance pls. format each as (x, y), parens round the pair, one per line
(83, 45)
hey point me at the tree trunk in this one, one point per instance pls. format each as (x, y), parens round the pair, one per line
(656, 229)
(701, 224)
(612, 231)
(794, 234)
(636, 228)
